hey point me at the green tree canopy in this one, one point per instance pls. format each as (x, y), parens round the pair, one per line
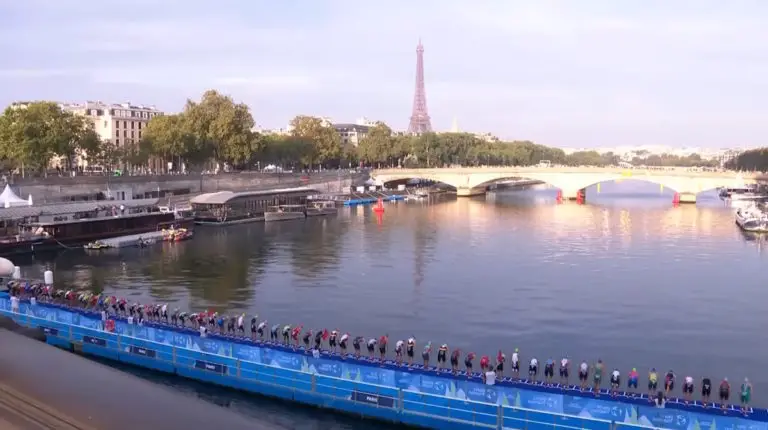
(324, 140)
(32, 134)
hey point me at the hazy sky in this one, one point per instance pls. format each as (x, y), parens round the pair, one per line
(562, 73)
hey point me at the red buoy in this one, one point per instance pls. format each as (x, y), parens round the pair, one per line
(379, 208)
(580, 197)
(559, 196)
(676, 199)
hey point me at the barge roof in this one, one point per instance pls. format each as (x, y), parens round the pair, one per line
(223, 197)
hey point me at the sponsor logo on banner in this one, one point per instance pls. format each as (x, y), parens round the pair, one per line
(50, 331)
(144, 352)
(432, 385)
(211, 367)
(94, 341)
(287, 361)
(181, 340)
(326, 368)
(247, 353)
(369, 375)
(373, 399)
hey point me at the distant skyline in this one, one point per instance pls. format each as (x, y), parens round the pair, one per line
(593, 73)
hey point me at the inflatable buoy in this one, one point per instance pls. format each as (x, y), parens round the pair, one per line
(6, 267)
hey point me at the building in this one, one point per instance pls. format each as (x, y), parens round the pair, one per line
(121, 124)
(352, 133)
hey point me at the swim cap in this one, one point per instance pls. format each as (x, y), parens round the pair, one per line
(515, 349)
(634, 369)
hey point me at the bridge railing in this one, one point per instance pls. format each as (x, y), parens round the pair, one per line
(305, 385)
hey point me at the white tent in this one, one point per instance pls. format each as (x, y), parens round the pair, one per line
(8, 198)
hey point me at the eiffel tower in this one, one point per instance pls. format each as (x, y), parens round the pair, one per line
(420, 122)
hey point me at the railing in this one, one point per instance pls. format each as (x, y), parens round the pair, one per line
(366, 399)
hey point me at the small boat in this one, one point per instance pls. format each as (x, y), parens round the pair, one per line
(752, 219)
(285, 212)
(177, 235)
(96, 245)
(322, 208)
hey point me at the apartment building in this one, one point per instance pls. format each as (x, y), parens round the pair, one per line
(121, 124)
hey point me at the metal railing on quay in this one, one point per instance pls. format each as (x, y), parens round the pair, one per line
(404, 401)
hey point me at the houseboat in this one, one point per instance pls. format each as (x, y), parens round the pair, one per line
(228, 207)
(321, 208)
(40, 229)
(285, 212)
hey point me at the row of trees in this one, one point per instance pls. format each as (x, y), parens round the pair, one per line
(752, 160)
(217, 130)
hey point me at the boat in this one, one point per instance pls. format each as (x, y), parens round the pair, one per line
(96, 245)
(176, 235)
(228, 207)
(321, 208)
(85, 227)
(752, 219)
(285, 212)
(747, 192)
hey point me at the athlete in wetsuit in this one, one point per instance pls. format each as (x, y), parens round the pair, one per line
(564, 370)
(725, 392)
(356, 342)
(319, 339)
(455, 355)
(688, 388)
(399, 351)
(484, 363)
(669, 382)
(500, 359)
(598, 377)
(273, 333)
(307, 338)
(425, 354)
(254, 322)
(653, 382)
(549, 370)
(533, 369)
(746, 395)
(332, 340)
(442, 355)
(516, 364)
(706, 390)
(468, 363)
(343, 344)
(615, 381)
(410, 345)
(371, 346)
(632, 379)
(383, 346)
(286, 334)
(260, 329)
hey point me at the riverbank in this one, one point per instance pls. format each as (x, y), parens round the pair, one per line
(93, 395)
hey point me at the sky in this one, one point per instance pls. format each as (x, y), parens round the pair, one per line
(573, 74)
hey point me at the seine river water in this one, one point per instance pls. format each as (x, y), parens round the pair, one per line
(626, 278)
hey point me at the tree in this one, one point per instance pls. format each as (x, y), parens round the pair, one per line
(33, 133)
(378, 146)
(220, 128)
(324, 139)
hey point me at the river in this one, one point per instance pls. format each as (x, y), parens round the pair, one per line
(627, 278)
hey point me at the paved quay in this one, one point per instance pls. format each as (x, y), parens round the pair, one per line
(47, 388)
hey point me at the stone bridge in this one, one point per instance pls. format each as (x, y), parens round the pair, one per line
(470, 181)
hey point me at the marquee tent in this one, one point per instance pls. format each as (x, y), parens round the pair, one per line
(8, 198)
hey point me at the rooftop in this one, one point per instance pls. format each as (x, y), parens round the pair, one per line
(222, 197)
(70, 208)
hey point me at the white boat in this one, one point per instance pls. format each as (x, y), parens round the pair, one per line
(321, 208)
(285, 212)
(752, 219)
(742, 193)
